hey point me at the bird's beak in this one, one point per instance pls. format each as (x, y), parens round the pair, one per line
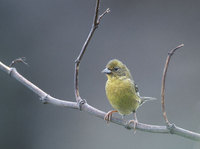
(106, 71)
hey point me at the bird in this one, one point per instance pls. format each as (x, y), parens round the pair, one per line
(121, 91)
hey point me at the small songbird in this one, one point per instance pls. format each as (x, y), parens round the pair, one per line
(121, 91)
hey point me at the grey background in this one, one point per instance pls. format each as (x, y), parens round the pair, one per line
(50, 34)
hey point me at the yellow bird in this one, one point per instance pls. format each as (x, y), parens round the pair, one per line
(121, 91)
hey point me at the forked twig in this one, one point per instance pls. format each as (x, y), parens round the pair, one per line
(95, 24)
(46, 98)
(19, 60)
(163, 82)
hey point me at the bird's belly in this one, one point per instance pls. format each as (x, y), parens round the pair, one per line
(122, 98)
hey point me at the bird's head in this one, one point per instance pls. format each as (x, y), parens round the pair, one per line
(116, 69)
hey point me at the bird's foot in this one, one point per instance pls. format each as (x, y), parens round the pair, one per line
(135, 122)
(108, 115)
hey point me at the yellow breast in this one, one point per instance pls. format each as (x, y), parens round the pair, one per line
(121, 95)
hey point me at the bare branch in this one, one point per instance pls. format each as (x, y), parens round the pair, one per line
(103, 14)
(96, 16)
(163, 82)
(17, 60)
(95, 24)
(46, 98)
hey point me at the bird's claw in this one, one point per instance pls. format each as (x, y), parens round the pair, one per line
(135, 122)
(108, 116)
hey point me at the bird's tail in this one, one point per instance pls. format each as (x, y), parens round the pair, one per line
(144, 99)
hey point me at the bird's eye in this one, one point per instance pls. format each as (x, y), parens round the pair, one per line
(116, 68)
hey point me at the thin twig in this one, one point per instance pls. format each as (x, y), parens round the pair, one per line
(46, 98)
(103, 14)
(19, 60)
(163, 82)
(95, 24)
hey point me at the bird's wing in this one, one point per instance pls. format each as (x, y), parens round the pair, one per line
(134, 90)
(137, 89)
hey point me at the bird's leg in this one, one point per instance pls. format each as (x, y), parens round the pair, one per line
(108, 115)
(135, 116)
(135, 121)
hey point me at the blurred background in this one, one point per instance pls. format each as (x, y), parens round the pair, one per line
(50, 34)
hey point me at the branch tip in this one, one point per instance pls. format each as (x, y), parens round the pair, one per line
(173, 50)
(107, 10)
(19, 60)
(102, 15)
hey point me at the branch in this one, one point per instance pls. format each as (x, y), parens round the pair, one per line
(17, 60)
(46, 98)
(163, 83)
(95, 24)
